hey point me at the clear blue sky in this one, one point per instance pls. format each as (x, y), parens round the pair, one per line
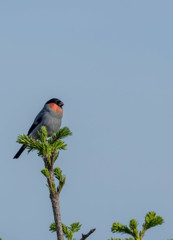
(110, 62)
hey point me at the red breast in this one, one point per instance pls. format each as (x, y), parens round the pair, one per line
(56, 108)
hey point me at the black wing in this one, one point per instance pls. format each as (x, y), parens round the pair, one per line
(34, 125)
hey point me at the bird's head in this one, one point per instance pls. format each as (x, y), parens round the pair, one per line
(56, 105)
(55, 101)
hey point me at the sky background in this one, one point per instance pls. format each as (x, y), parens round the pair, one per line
(110, 62)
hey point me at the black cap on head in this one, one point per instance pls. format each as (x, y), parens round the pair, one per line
(56, 101)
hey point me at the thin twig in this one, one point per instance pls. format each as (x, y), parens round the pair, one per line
(84, 236)
(54, 196)
(55, 139)
(143, 232)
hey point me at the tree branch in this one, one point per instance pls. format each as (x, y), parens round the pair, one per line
(84, 236)
(54, 196)
(142, 233)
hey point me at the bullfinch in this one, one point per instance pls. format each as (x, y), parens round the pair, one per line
(50, 117)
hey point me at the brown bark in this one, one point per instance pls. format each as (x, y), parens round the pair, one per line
(57, 217)
(54, 196)
(84, 236)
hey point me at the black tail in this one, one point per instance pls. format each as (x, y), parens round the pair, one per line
(20, 151)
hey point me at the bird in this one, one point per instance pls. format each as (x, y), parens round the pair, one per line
(50, 116)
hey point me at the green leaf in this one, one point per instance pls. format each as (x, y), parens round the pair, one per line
(133, 224)
(42, 135)
(118, 227)
(62, 133)
(61, 183)
(59, 145)
(151, 220)
(58, 173)
(60, 177)
(52, 227)
(32, 144)
(68, 234)
(65, 229)
(63, 179)
(75, 227)
(45, 172)
(133, 227)
(42, 145)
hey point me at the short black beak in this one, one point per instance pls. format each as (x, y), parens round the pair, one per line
(61, 104)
